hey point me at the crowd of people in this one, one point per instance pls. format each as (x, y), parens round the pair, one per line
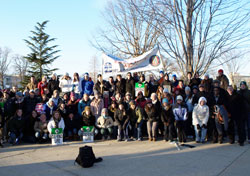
(166, 108)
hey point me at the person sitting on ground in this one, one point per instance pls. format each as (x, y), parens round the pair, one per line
(88, 119)
(71, 127)
(105, 123)
(56, 122)
(16, 127)
(40, 127)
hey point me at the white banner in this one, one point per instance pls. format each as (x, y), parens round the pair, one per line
(150, 60)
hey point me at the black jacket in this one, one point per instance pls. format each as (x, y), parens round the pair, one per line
(130, 87)
(53, 85)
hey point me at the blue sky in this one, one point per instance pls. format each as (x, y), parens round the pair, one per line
(73, 23)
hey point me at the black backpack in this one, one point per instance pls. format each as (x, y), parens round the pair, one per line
(86, 157)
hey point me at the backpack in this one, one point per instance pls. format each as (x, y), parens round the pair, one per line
(86, 157)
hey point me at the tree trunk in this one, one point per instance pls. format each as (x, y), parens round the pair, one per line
(189, 37)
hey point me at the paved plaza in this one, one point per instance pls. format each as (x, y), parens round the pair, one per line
(127, 158)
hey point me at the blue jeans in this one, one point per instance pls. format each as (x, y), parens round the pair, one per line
(200, 135)
(15, 138)
(137, 131)
(72, 132)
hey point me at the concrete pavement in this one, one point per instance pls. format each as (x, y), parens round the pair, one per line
(127, 158)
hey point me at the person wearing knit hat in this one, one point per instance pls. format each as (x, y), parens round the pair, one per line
(245, 93)
(180, 114)
(86, 85)
(224, 82)
(167, 119)
(49, 108)
(200, 120)
(105, 124)
(179, 97)
(175, 82)
(164, 100)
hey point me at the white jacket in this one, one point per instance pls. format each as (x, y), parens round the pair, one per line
(200, 113)
(104, 123)
(65, 85)
(52, 124)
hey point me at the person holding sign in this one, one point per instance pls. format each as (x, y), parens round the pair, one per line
(105, 123)
(88, 119)
(55, 122)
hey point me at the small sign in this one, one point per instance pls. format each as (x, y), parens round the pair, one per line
(88, 133)
(57, 136)
(139, 87)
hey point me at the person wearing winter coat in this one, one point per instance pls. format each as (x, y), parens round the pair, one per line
(30, 103)
(152, 85)
(87, 119)
(188, 100)
(63, 111)
(120, 84)
(32, 85)
(180, 114)
(208, 83)
(49, 108)
(167, 118)
(40, 127)
(86, 85)
(224, 82)
(152, 117)
(56, 98)
(101, 85)
(140, 100)
(72, 105)
(105, 123)
(76, 85)
(18, 101)
(121, 119)
(96, 105)
(236, 110)
(219, 115)
(195, 81)
(245, 93)
(29, 132)
(65, 84)
(42, 85)
(16, 127)
(135, 119)
(53, 84)
(55, 122)
(130, 85)
(200, 119)
(71, 127)
(143, 81)
(166, 83)
(85, 101)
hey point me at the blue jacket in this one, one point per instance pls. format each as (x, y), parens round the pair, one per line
(180, 112)
(87, 86)
(81, 106)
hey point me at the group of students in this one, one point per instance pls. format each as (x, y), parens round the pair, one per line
(192, 108)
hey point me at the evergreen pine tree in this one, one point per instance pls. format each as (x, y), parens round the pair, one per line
(42, 55)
